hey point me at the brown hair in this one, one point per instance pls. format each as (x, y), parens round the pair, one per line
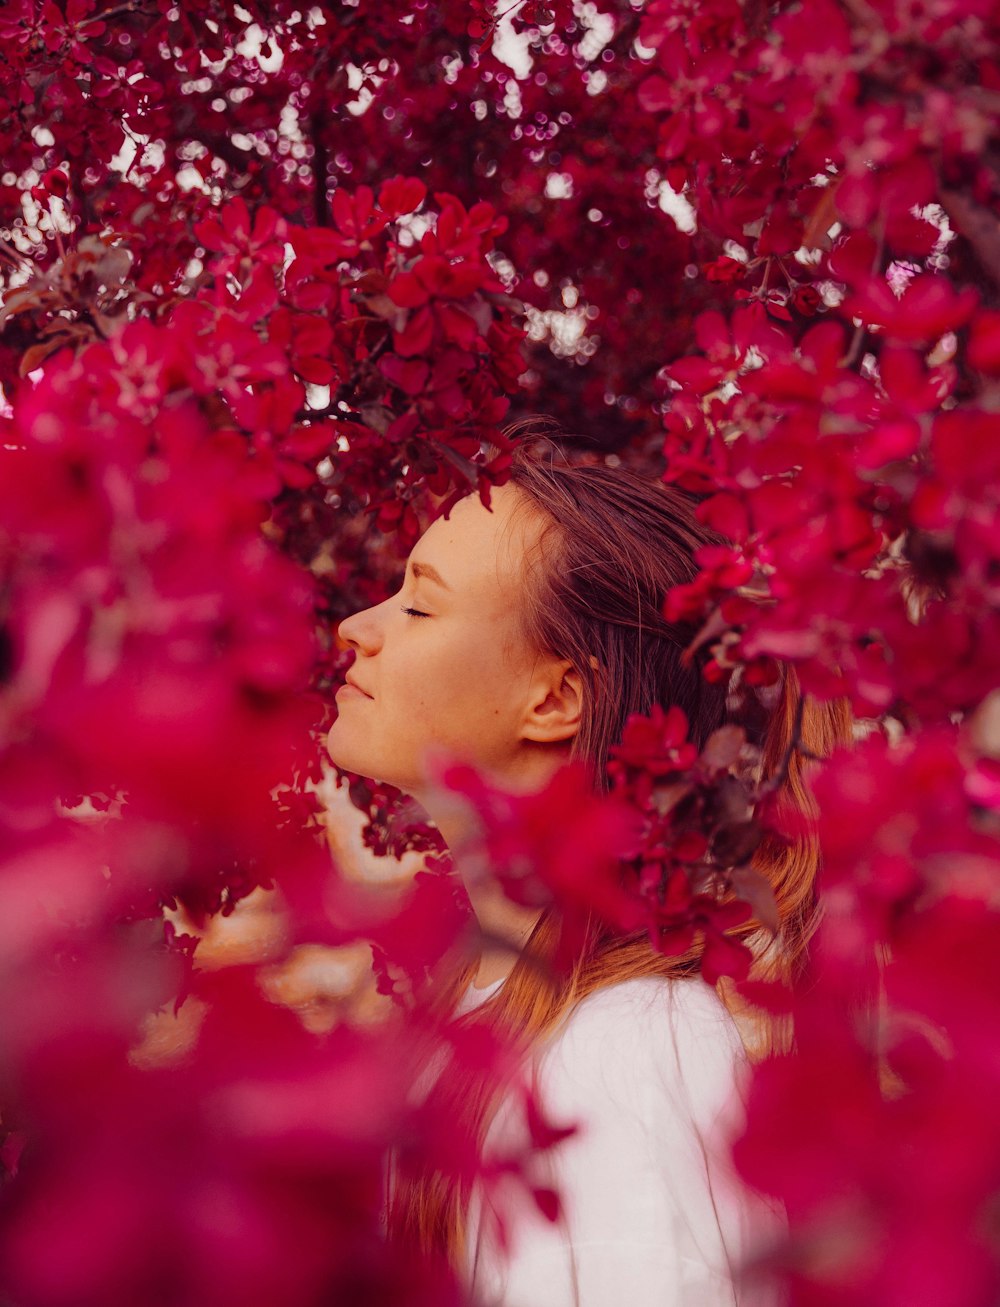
(614, 542)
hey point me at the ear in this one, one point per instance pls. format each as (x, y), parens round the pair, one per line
(555, 703)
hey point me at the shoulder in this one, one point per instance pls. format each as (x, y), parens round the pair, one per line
(646, 1038)
(650, 1011)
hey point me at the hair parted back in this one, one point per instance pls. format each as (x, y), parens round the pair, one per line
(613, 543)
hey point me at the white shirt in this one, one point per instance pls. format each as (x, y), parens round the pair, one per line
(654, 1216)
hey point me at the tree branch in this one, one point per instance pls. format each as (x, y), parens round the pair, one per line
(321, 210)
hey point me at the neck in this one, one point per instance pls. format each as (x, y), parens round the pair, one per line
(504, 926)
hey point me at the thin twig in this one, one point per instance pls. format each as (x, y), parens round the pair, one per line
(129, 8)
(343, 391)
(861, 331)
(13, 255)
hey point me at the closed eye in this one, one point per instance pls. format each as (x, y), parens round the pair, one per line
(414, 612)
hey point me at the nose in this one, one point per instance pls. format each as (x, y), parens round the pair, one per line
(362, 631)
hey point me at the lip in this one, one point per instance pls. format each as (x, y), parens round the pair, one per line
(353, 685)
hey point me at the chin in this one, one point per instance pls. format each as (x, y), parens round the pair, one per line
(344, 752)
(351, 755)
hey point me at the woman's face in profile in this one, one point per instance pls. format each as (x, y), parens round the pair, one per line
(443, 666)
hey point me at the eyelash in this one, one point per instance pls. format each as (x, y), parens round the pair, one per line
(414, 612)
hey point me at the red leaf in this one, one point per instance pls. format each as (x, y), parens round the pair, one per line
(547, 1201)
(418, 334)
(656, 94)
(724, 956)
(401, 195)
(410, 375)
(407, 291)
(984, 342)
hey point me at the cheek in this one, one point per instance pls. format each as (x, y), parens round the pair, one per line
(448, 687)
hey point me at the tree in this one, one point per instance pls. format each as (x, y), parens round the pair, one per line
(273, 278)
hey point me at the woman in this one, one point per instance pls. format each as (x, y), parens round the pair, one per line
(524, 637)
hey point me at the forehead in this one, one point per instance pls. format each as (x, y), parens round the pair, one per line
(481, 552)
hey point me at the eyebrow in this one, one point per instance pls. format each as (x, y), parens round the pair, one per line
(432, 574)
